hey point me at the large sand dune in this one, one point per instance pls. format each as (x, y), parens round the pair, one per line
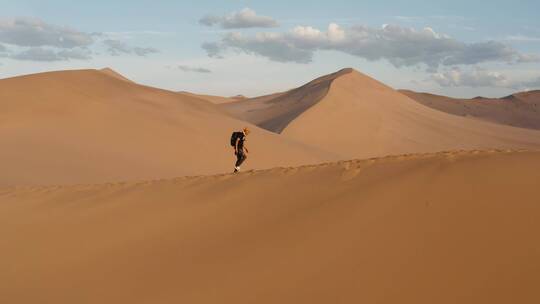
(459, 227)
(357, 116)
(519, 110)
(94, 126)
(275, 111)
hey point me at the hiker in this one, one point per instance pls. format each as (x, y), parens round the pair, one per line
(240, 150)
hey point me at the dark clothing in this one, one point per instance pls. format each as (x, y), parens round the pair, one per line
(240, 156)
(241, 138)
(239, 147)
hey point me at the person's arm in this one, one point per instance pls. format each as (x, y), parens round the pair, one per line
(236, 146)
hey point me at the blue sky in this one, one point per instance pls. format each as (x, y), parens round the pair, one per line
(456, 48)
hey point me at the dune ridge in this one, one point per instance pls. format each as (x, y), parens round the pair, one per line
(360, 117)
(518, 110)
(424, 228)
(115, 74)
(356, 116)
(213, 98)
(275, 111)
(95, 126)
(91, 126)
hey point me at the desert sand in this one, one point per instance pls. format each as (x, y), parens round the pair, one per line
(115, 74)
(275, 111)
(213, 98)
(356, 116)
(518, 110)
(455, 227)
(89, 126)
(114, 192)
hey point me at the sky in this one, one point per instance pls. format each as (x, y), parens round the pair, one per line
(455, 48)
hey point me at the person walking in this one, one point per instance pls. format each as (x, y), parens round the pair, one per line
(238, 141)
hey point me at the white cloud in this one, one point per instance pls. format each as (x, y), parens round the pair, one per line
(32, 32)
(143, 51)
(401, 46)
(453, 22)
(528, 58)
(36, 40)
(187, 68)
(478, 77)
(270, 45)
(122, 35)
(117, 47)
(213, 49)
(246, 18)
(45, 54)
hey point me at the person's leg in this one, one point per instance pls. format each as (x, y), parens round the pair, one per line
(244, 156)
(240, 157)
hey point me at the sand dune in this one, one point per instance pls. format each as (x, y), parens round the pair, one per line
(215, 99)
(518, 110)
(96, 126)
(354, 115)
(93, 126)
(433, 228)
(361, 117)
(275, 111)
(528, 96)
(113, 73)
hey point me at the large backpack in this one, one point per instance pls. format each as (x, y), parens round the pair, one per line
(234, 137)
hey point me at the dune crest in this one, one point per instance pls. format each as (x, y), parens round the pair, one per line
(94, 126)
(275, 111)
(368, 231)
(518, 110)
(213, 98)
(361, 117)
(91, 126)
(115, 74)
(354, 115)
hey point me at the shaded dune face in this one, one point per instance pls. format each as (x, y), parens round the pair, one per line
(354, 115)
(435, 228)
(361, 117)
(518, 110)
(274, 112)
(92, 126)
(529, 96)
(95, 126)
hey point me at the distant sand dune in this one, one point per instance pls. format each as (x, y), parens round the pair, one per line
(274, 112)
(518, 110)
(354, 115)
(95, 126)
(358, 116)
(453, 227)
(215, 99)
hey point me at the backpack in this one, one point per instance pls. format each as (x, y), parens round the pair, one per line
(234, 137)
